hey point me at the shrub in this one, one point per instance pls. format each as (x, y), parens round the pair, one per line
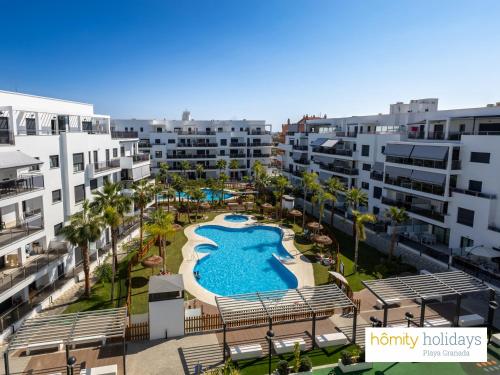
(305, 364)
(362, 357)
(282, 367)
(296, 357)
(103, 273)
(345, 357)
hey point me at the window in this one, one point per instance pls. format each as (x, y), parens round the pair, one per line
(367, 167)
(171, 141)
(480, 157)
(30, 126)
(79, 193)
(157, 141)
(354, 147)
(54, 161)
(365, 185)
(382, 149)
(93, 184)
(56, 196)
(377, 192)
(57, 229)
(365, 150)
(475, 185)
(35, 167)
(223, 142)
(158, 130)
(105, 180)
(465, 217)
(158, 154)
(122, 151)
(142, 129)
(222, 152)
(115, 152)
(78, 162)
(376, 210)
(131, 128)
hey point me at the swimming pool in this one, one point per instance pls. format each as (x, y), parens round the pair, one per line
(243, 260)
(210, 195)
(232, 218)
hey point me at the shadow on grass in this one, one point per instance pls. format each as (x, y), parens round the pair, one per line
(138, 282)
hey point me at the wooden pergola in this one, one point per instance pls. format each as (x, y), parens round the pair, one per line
(67, 330)
(425, 287)
(282, 306)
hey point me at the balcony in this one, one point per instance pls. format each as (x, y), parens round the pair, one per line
(205, 156)
(473, 193)
(103, 166)
(261, 155)
(415, 185)
(200, 144)
(259, 144)
(301, 161)
(419, 162)
(332, 151)
(185, 132)
(237, 144)
(346, 134)
(258, 132)
(431, 214)
(300, 148)
(140, 158)
(6, 137)
(237, 156)
(339, 169)
(378, 176)
(20, 231)
(144, 144)
(123, 134)
(12, 277)
(21, 185)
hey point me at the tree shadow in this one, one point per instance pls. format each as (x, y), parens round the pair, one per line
(138, 282)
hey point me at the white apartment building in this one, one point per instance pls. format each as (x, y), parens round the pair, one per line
(441, 165)
(53, 154)
(201, 142)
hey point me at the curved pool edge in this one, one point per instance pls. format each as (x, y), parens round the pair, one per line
(301, 269)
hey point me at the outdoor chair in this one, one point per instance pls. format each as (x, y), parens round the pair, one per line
(437, 322)
(249, 351)
(287, 345)
(470, 320)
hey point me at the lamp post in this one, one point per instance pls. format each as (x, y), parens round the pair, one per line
(269, 337)
(375, 322)
(71, 364)
(492, 305)
(409, 318)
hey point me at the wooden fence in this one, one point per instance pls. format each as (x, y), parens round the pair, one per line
(137, 332)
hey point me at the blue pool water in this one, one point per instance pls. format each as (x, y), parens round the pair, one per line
(236, 218)
(242, 262)
(209, 195)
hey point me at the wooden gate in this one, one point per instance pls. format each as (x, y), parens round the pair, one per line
(137, 332)
(206, 322)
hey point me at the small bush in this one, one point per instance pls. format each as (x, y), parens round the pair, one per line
(345, 357)
(103, 273)
(305, 364)
(362, 357)
(282, 368)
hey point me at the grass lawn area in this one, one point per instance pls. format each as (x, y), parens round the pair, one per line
(368, 258)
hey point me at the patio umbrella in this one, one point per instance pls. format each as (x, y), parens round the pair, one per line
(295, 213)
(322, 240)
(314, 226)
(267, 206)
(152, 262)
(205, 205)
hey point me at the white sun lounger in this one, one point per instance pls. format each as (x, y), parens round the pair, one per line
(246, 352)
(331, 339)
(287, 345)
(437, 322)
(89, 339)
(44, 345)
(101, 370)
(379, 305)
(470, 320)
(495, 339)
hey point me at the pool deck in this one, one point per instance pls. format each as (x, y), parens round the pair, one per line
(301, 268)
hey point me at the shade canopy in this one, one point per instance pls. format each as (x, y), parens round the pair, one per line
(16, 159)
(395, 172)
(314, 225)
(176, 227)
(267, 206)
(430, 152)
(322, 240)
(152, 261)
(295, 213)
(318, 142)
(330, 143)
(378, 167)
(205, 205)
(399, 150)
(429, 177)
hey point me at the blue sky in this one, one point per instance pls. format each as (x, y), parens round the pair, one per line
(268, 59)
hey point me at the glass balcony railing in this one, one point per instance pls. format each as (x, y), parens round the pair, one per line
(339, 169)
(139, 158)
(21, 185)
(124, 134)
(415, 185)
(332, 151)
(473, 193)
(105, 165)
(429, 213)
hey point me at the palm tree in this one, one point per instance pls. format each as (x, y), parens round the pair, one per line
(333, 186)
(320, 197)
(221, 184)
(113, 206)
(142, 196)
(178, 184)
(233, 165)
(200, 168)
(309, 180)
(197, 195)
(397, 216)
(160, 226)
(169, 193)
(261, 178)
(84, 227)
(355, 198)
(212, 185)
(163, 173)
(360, 220)
(185, 166)
(280, 183)
(221, 165)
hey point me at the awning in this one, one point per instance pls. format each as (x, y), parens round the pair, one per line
(395, 172)
(378, 167)
(16, 159)
(429, 177)
(430, 152)
(398, 150)
(318, 142)
(330, 143)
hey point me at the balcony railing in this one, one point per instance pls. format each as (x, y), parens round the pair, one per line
(346, 134)
(301, 161)
(237, 144)
(6, 137)
(261, 155)
(237, 156)
(21, 185)
(123, 134)
(144, 144)
(431, 214)
(379, 176)
(473, 193)
(14, 234)
(300, 148)
(258, 132)
(186, 132)
(191, 156)
(415, 185)
(418, 162)
(100, 166)
(494, 228)
(260, 144)
(332, 151)
(205, 144)
(338, 169)
(139, 158)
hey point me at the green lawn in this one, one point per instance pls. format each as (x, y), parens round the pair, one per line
(318, 357)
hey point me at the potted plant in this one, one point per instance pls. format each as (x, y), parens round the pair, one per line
(353, 361)
(282, 368)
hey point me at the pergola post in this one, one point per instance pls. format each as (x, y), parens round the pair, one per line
(124, 356)
(354, 324)
(314, 330)
(6, 362)
(386, 313)
(422, 312)
(224, 328)
(457, 310)
(491, 310)
(68, 370)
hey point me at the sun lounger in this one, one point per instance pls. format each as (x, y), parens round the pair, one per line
(44, 345)
(89, 339)
(287, 345)
(379, 305)
(495, 339)
(284, 260)
(246, 352)
(101, 370)
(437, 322)
(331, 339)
(470, 320)
(398, 325)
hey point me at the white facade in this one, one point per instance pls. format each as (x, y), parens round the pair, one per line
(201, 142)
(53, 154)
(436, 164)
